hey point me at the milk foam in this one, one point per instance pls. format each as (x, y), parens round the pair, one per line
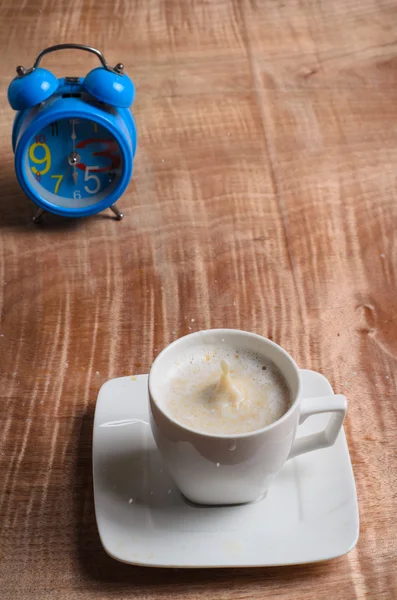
(224, 390)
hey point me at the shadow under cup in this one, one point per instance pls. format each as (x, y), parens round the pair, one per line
(223, 469)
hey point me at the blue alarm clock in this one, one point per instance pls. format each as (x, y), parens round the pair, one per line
(74, 138)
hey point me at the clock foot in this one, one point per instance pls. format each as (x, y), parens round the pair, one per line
(38, 215)
(115, 210)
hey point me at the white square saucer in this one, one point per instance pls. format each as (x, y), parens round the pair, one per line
(310, 513)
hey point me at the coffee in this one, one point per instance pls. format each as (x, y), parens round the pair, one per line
(223, 390)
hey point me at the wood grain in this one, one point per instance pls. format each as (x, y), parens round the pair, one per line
(264, 198)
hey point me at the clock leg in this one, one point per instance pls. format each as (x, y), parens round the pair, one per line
(38, 215)
(115, 210)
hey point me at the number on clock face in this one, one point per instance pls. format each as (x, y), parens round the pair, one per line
(75, 159)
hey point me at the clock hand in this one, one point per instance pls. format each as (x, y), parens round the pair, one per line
(73, 135)
(73, 157)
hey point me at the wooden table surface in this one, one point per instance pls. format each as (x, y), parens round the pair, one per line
(263, 198)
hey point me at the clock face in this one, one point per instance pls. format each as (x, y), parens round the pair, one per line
(73, 163)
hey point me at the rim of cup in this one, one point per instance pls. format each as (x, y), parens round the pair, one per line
(243, 333)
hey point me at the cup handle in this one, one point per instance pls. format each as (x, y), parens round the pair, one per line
(337, 405)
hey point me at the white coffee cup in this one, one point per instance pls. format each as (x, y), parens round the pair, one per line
(232, 469)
